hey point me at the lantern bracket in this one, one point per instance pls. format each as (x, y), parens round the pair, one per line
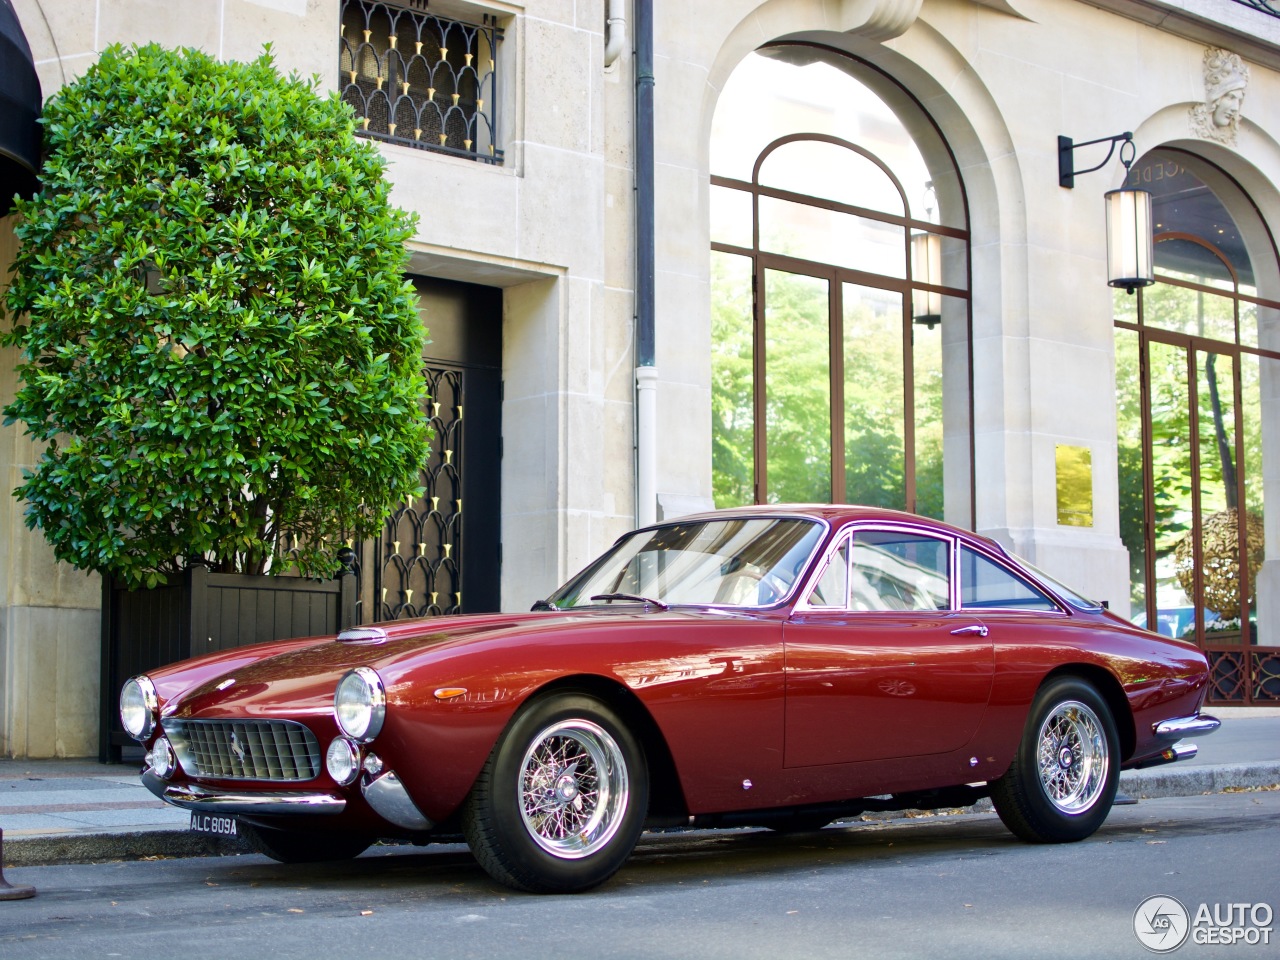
(1066, 163)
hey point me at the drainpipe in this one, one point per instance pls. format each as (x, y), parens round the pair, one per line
(615, 31)
(646, 372)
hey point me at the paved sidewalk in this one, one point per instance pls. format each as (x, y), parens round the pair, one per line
(75, 811)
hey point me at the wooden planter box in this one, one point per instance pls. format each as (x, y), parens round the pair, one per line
(202, 612)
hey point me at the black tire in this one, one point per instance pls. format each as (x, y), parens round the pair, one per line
(1066, 794)
(302, 846)
(562, 799)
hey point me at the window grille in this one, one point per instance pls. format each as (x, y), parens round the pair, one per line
(421, 80)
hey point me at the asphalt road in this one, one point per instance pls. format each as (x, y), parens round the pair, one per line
(953, 887)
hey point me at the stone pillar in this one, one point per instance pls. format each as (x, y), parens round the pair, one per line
(49, 612)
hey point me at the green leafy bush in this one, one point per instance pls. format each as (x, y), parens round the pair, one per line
(218, 342)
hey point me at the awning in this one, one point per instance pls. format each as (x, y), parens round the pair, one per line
(20, 102)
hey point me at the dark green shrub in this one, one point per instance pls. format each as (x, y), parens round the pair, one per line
(218, 342)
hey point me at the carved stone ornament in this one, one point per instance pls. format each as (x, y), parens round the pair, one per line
(878, 20)
(1225, 78)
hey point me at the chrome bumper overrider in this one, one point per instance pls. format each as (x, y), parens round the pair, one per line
(266, 803)
(389, 799)
(1179, 727)
(1172, 732)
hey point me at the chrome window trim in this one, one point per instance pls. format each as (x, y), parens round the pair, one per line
(1018, 574)
(850, 530)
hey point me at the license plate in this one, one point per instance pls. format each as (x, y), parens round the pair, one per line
(213, 824)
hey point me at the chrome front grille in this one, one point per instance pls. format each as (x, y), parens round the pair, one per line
(245, 749)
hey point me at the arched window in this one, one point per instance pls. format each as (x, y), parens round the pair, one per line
(1196, 361)
(839, 292)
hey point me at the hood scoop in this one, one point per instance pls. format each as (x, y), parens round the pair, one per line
(363, 635)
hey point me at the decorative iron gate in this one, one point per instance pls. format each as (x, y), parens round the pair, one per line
(420, 550)
(434, 557)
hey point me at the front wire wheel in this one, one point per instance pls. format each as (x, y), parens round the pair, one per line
(561, 801)
(573, 789)
(1063, 780)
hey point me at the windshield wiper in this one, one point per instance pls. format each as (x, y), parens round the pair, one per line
(543, 605)
(647, 601)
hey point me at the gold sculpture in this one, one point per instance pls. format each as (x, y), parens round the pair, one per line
(1221, 561)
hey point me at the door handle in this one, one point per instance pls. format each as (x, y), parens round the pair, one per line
(975, 629)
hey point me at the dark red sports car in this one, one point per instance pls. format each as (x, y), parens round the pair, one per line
(777, 666)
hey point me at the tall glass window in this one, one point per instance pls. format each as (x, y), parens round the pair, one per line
(1197, 354)
(839, 275)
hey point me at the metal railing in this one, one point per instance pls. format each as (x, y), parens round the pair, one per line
(1262, 6)
(421, 80)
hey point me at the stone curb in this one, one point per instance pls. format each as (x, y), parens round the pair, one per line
(98, 847)
(1192, 781)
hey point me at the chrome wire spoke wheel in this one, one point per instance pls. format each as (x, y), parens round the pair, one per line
(573, 788)
(1072, 757)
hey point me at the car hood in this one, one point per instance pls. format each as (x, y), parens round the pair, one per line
(301, 675)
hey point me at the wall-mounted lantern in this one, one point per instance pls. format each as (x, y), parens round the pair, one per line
(1130, 263)
(926, 267)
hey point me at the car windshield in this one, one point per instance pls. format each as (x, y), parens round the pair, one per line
(737, 562)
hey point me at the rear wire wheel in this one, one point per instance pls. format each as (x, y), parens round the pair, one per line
(1063, 780)
(561, 801)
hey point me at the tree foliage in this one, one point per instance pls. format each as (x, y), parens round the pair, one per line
(219, 347)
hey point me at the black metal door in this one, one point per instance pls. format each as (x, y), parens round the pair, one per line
(441, 554)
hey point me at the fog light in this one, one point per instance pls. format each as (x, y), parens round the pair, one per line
(161, 759)
(342, 760)
(372, 764)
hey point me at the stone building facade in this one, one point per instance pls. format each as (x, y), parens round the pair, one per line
(1035, 418)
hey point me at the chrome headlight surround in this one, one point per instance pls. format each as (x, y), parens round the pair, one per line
(360, 704)
(139, 707)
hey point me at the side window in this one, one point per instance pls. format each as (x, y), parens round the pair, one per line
(832, 587)
(890, 570)
(984, 583)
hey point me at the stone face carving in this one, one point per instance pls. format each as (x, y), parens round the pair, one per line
(1225, 78)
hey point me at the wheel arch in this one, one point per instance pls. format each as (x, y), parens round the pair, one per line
(1112, 693)
(666, 796)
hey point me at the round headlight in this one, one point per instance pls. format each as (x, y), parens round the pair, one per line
(139, 707)
(342, 761)
(161, 759)
(360, 704)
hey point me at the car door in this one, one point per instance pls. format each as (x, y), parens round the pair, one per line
(878, 664)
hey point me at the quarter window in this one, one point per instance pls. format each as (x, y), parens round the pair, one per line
(832, 588)
(984, 583)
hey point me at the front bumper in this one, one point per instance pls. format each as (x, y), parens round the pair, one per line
(384, 793)
(263, 803)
